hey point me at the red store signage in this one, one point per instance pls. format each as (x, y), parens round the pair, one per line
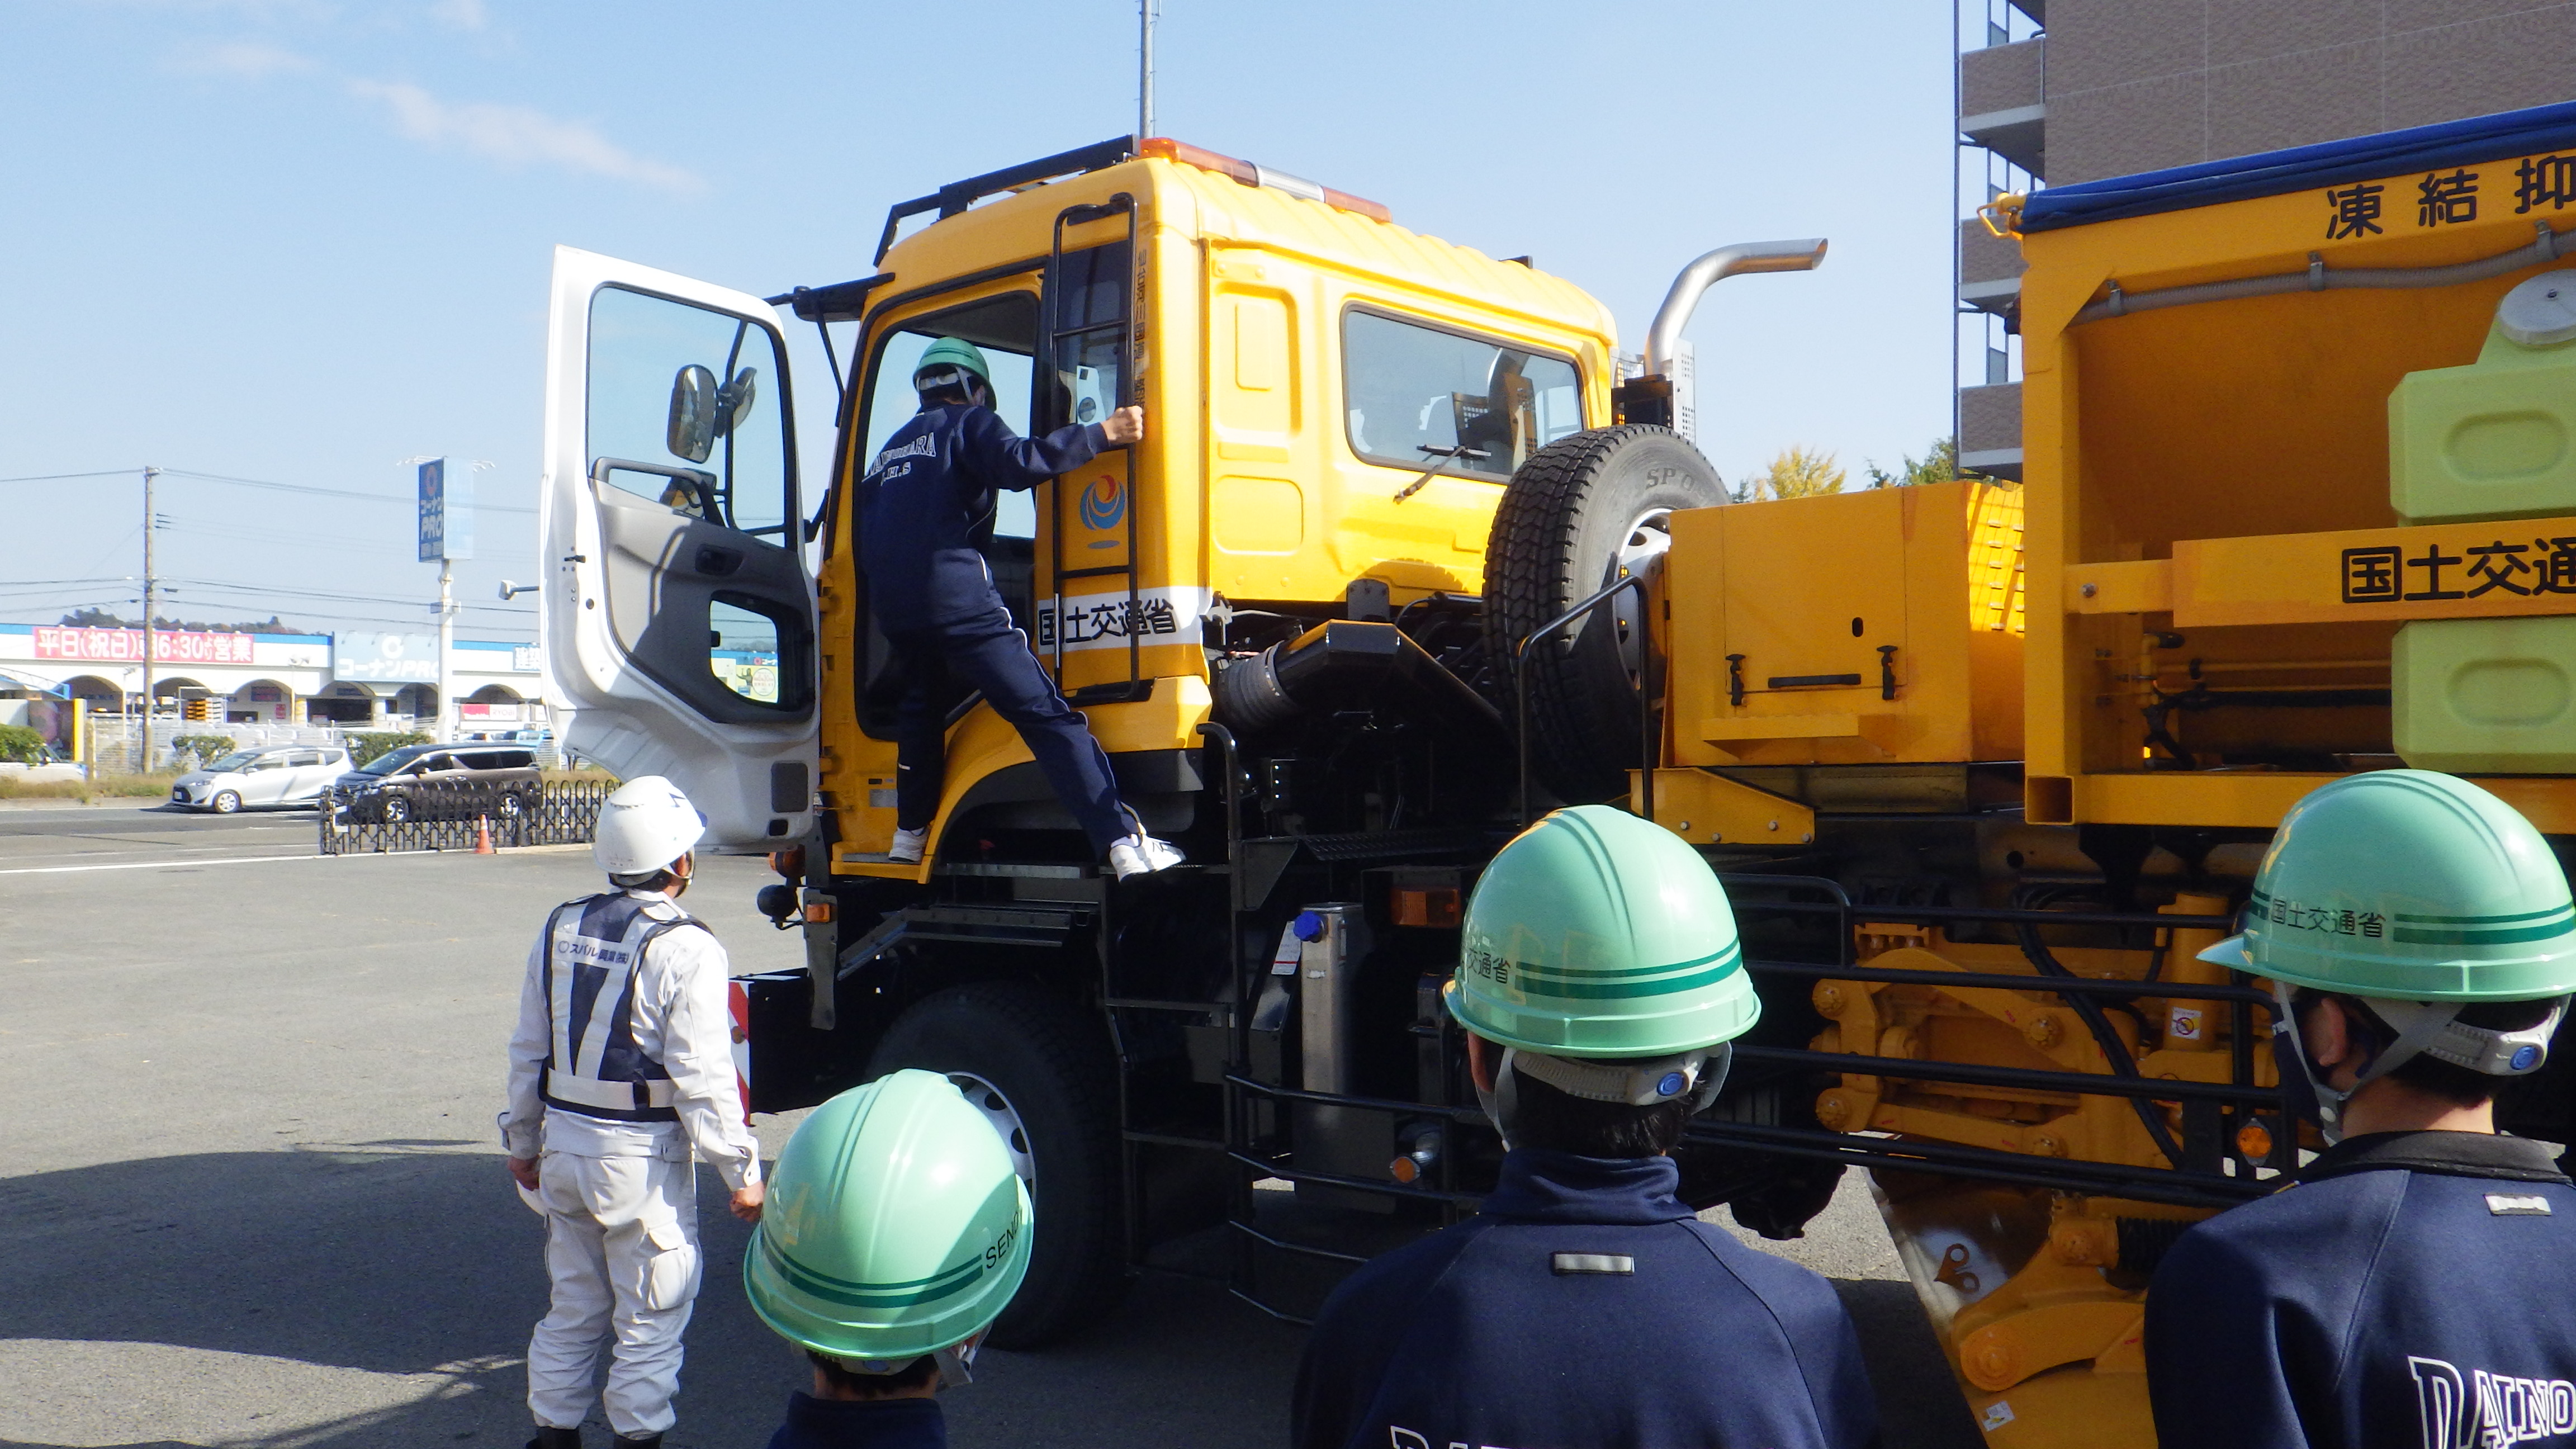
(125, 646)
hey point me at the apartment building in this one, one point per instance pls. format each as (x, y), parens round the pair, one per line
(2053, 92)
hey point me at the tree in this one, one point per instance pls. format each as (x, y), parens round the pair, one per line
(102, 619)
(1939, 464)
(1796, 472)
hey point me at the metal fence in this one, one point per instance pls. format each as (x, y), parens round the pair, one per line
(453, 817)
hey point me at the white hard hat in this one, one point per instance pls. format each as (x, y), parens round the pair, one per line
(645, 825)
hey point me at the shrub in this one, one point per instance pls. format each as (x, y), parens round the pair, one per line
(19, 743)
(207, 748)
(366, 747)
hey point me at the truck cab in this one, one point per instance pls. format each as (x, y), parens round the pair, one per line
(1269, 611)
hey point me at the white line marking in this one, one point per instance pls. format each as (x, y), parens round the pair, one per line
(233, 860)
(256, 859)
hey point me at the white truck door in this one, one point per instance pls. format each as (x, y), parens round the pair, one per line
(677, 615)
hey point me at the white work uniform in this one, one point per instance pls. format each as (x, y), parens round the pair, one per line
(620, 1196)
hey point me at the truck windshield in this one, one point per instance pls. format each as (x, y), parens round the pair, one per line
(1415, 392)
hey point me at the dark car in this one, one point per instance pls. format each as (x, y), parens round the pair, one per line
(442, 782)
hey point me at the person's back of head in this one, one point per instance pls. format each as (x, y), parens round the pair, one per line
(1599, 952)
(838, 1380)
(2437, 921)
(2450, 1081)
(646, 828)
(1554, 1120)
(952, 372)
(897, 1232)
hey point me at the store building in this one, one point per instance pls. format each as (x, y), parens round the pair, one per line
(356, 681)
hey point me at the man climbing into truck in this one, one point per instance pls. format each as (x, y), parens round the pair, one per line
(1600, 982)
(925, 516)
(2418, 1287)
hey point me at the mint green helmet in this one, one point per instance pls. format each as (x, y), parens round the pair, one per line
(2410, 885)
(894, 1226)
(1595, 934)
(949, 355)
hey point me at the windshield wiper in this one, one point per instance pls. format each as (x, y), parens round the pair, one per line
(1445, 456)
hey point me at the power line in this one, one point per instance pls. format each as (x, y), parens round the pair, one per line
(289, 591)
(56, 477)
(326, 492)
(306, 488)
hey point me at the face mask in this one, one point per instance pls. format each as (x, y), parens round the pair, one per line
(955, 1361)
(2298, 1081)
(1502, 1101)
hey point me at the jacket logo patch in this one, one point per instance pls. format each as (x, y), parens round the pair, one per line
(1618, 1264)
(2488, 1411)
(925, 446)
(2506, 1205)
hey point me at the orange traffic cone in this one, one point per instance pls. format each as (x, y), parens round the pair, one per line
(483, 835)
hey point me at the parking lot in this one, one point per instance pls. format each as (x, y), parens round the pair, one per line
(252, 1194)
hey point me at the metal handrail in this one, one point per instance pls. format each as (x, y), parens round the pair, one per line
(2006, 981)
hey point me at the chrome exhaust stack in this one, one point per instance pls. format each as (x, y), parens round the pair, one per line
(1649, 399)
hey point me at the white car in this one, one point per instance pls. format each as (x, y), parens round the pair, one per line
(270, 775)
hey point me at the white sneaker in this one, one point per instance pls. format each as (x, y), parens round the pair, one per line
(908, 845)
(1142, 854)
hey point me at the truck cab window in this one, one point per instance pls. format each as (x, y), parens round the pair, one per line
(1006, 329)
(685, 411)
(1412, 393)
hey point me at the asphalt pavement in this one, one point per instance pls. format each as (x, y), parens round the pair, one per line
(252, 1195)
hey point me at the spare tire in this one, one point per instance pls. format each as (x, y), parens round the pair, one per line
(1581, 511)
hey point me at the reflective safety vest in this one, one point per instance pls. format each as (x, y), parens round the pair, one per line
(594, 946)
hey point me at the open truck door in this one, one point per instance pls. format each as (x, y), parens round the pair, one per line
(677, 614)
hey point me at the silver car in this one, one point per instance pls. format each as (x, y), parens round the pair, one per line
(266, 776)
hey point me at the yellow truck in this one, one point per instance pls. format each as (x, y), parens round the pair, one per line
(1405, 559)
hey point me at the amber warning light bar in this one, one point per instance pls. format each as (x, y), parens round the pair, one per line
(1249, 174)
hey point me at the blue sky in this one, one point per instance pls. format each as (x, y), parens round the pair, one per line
(300, 241)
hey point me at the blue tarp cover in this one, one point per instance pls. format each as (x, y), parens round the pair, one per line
(2270, 173)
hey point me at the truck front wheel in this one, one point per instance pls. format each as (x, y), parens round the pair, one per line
(1041, 1071)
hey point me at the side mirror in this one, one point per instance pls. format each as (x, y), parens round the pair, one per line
(733, 404)
(691, 433)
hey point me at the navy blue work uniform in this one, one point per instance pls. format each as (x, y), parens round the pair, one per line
(1586, 1306)
(814, 1423)
(2415, 1290)
(925, 514)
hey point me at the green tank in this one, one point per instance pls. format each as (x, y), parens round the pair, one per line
(2497, 438)
(2493, 440)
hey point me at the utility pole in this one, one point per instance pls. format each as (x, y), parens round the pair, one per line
(446, 650)
(1145, 15)
(144, 765)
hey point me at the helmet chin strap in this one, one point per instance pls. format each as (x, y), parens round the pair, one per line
(2423, 1027)
(2331, 1101)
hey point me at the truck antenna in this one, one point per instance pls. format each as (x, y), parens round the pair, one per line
(1146, 13)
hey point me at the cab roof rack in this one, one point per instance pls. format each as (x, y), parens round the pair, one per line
(954, 198)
